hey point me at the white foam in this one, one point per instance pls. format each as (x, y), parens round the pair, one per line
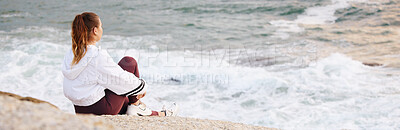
(323, 14)
(32, 62)
(312, 15)
(25, 14)
(336, 92)
(285, 28)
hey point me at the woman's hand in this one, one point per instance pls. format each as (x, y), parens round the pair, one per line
(140, 96)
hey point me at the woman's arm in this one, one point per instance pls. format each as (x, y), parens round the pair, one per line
(114, 78)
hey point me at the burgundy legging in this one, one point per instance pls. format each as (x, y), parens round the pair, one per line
(111, 103)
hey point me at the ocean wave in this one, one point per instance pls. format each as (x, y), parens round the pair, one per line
(331, 85)
(253, 59)
(248, 8)
(14, 13)
(214, 87)
(377, 13)
(323, 14)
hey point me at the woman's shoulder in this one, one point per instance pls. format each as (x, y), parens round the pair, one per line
(93, 51)
(100, 51)
(100, 54)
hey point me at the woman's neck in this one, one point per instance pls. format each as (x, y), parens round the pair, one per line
(92, 43)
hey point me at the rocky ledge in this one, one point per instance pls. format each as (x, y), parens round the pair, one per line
(29, 113)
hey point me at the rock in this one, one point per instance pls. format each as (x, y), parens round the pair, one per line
(156, 123)
(372, 64)
(29, 113)
(31, 99)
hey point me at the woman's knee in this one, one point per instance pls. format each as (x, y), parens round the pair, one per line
(127, 60)
(129, 64)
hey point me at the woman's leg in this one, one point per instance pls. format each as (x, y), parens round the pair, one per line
(110, 104)
(129, 64)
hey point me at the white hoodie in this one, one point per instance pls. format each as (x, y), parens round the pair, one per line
(85, 82)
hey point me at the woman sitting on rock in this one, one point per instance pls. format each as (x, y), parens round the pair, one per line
(94, 82)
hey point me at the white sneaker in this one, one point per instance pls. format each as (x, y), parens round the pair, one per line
(139, 110)
(172, 111)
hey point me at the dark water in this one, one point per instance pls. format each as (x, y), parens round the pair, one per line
(187, 22)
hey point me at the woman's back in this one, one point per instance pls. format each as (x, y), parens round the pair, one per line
(85, 82)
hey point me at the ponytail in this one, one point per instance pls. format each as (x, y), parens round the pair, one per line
(81, 28)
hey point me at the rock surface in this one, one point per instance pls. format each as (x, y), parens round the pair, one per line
(18, 112)
(26, 115)
(157, 123)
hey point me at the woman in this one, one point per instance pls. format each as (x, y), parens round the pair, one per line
(94, 82)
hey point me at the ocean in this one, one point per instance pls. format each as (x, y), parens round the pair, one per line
(290, 64)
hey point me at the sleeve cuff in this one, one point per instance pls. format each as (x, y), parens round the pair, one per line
(141, 89)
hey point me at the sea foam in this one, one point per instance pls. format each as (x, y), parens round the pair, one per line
(335, 92)
(313, 15)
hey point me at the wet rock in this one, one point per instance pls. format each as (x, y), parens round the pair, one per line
(372, 64)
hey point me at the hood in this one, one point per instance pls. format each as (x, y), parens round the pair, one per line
(72, 72)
